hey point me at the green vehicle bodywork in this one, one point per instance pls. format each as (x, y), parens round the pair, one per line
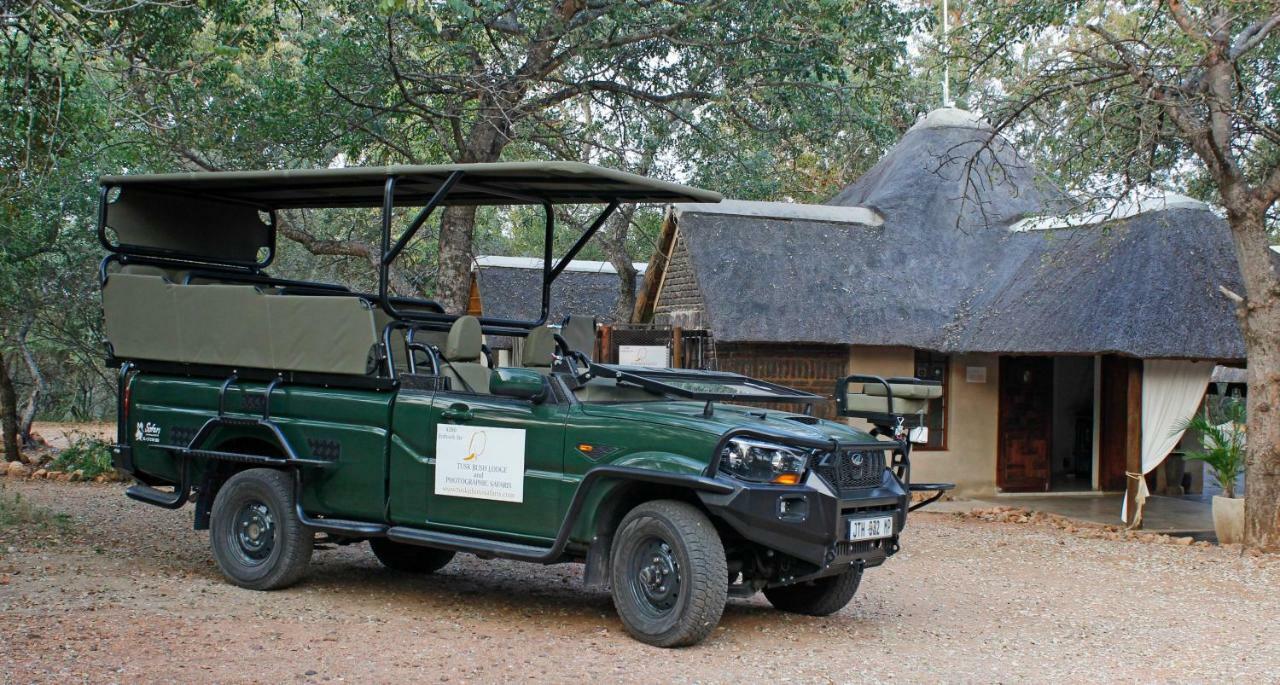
(380, 449)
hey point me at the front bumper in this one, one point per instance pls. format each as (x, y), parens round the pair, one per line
(808, 521)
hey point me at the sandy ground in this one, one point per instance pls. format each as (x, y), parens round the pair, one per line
(133, 596)
(59, 435)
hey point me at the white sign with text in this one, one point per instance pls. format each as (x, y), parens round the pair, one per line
(644, 355)
(480, 462)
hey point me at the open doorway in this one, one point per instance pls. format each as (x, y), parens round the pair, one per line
(1046, 424)
(1071, 468)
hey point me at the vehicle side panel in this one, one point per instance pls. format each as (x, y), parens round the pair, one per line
(617, 441)
(345, 426)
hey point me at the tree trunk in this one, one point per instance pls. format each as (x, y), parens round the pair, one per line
(8, 412)
(453, 287)
(38, 385)
(1260, 324)
(615, 245)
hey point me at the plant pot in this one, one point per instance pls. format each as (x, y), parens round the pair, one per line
(1228, 519)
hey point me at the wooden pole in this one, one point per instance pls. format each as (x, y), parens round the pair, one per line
(1133, 440)
(605, 354)
(677, 347)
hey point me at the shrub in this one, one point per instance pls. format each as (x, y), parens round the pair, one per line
(1224, 444)
(87, 454)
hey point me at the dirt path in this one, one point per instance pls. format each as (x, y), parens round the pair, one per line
(133, 596)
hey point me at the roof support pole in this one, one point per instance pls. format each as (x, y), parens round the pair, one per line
(548, 244)
(389, 256)
(582, 241)
(384, 265)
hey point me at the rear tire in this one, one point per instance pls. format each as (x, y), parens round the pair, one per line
(820, 597)
(254, 531)
(668, 573)
(409, 558)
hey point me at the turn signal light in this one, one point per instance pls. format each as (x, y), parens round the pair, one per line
(787, 479)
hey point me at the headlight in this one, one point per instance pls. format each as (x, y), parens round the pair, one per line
(763, 462)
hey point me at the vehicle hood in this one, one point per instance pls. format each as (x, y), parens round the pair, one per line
(725, 417)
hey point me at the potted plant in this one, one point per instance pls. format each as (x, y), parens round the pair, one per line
(1224, 452)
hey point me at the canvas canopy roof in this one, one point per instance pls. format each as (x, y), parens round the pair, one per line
(216, 214)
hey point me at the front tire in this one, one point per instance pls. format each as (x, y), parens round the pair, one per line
(820, 597)
(409, 558)
(668, 573)
(254, 530)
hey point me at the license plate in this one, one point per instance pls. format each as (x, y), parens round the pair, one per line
(870, 528)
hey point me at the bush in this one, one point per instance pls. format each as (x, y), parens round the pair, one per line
(87, 454)
(1224, 444)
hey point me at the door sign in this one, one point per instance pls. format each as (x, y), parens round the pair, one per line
(480, 462)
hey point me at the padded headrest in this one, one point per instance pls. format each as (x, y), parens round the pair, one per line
(904, 391)
(580, 333)
(539, 348)
(464, 341)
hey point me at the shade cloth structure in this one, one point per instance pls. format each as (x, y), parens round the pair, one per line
(216, 214)
(1171, 392)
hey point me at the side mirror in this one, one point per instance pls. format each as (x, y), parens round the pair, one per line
(523, 384)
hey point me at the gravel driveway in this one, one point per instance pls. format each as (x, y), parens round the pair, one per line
(132, 595)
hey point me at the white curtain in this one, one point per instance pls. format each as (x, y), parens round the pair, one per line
(1171, 392)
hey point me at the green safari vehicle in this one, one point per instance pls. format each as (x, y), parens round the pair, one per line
(295, 412)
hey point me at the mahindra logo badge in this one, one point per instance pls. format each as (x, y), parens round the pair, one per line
(856, 459)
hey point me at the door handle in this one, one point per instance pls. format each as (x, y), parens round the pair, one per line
(457, 412)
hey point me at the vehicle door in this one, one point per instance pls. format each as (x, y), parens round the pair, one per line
(498, 464)
(478, 463)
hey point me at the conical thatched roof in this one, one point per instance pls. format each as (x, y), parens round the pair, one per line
(941, 266)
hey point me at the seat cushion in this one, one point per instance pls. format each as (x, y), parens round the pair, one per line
(858, 402)
(539, 348)
(464, 341)
(904, 390)
(468, 377)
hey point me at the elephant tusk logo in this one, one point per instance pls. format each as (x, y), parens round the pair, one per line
(476, 446)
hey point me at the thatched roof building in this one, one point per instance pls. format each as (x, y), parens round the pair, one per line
(932, 249)
(955, 259)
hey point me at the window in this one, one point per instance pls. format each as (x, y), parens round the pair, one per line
(931, 366)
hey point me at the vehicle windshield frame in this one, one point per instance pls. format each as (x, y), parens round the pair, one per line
(661, 380)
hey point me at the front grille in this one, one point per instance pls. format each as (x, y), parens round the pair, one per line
(851, 470)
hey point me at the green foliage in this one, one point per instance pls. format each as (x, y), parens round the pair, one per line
(87, 454)
(1224, 441)
(18, 513)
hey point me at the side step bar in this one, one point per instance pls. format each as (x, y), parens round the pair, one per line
(939, 489)
(465, 543)
(160, 498)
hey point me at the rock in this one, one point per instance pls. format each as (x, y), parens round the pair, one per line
(17, 469)
(76, 476)
(56, 475)
(1184, 541)
(39, 473)
(102, 478)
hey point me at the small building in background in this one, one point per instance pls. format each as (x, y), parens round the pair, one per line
(1066, 343)
(511, 288)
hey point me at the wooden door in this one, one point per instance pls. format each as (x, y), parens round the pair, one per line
(1026, 424)
(1120, 432)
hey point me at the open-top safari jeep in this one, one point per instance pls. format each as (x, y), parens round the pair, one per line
(292, 411)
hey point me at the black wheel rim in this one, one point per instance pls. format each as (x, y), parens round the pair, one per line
(253, 537)
(655, 577)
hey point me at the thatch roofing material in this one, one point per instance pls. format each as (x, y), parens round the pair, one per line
(516, 292)
(944, 272)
